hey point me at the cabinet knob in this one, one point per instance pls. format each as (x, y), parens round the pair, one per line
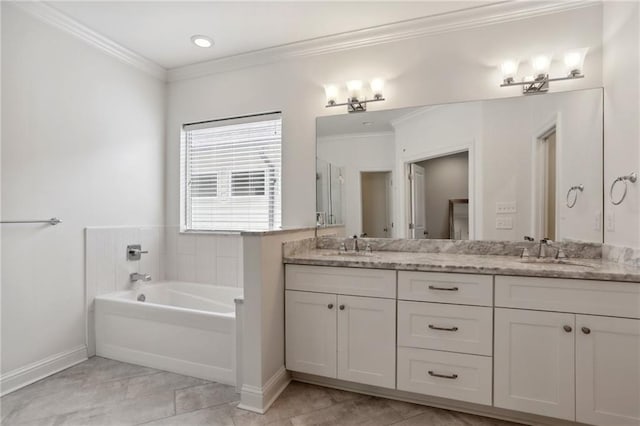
(342, 307)
(330, 306)
(567, 328)
(586, 330)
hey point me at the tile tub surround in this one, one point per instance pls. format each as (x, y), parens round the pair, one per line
(101, 391)
(588, 268)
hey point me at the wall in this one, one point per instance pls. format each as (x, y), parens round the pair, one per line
(445, 178)
(82, 139)
(447, 67)
(621, 75)
(362, 152)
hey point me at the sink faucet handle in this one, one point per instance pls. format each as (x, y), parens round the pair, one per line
(528, 238)
(561, 255)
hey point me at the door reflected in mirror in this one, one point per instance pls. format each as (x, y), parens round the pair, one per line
(401, 173)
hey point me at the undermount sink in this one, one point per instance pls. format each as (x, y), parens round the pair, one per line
(554, 262)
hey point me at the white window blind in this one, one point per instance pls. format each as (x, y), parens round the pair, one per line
(231, 174)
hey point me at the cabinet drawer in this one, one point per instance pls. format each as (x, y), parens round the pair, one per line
(347, 281)
(454, 328)
(569, 295)
(465, 289)
(444, 374)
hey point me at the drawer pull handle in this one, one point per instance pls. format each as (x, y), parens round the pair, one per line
(330, 306)
(341, 307)
(567, 328)
(586, 330)
(433, 287)
(443, 376)
(435, 327)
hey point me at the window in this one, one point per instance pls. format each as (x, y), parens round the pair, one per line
(204, 185)
(247, 183)
(231, 174)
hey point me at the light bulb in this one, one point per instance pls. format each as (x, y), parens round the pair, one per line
(574, 61)
(509, 70)
(354, 89)
(202, 41)
(331, 90)
(377, 86)
(540, 65)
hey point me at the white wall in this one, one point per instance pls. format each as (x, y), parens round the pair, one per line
(82, 139)
(356, 153)
(441, 68)
(621, 74)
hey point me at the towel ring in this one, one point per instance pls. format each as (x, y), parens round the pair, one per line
(575, 190)
(632, 177)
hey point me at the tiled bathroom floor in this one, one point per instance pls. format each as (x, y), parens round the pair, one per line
(105, 392)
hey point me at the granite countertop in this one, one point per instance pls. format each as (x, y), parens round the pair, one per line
(590, 269)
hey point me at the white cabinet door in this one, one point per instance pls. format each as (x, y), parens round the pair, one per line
(607, 371)
(534, 359)
(311, 332)
(367, 340)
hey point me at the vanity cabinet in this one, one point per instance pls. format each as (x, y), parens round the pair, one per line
(348, 336)
(560, 348)
(573, 365)
(607, 370)
(535, 362)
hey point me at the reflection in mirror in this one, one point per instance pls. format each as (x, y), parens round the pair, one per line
(495, 169)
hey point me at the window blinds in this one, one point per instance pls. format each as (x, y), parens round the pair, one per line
(231, 174)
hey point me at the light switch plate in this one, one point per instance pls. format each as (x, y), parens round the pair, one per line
(506, 207)
(504, 222)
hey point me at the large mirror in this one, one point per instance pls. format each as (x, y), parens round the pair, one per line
(496, 169)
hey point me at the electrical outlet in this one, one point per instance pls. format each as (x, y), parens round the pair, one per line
(598, 221)
(504, 222)
(506, 207)
(611, 221)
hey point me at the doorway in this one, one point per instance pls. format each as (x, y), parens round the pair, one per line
(434, 184)
(546, 180)
(376, 204)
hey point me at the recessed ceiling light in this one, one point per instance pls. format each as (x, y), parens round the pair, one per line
(367, 123)
(202, 40)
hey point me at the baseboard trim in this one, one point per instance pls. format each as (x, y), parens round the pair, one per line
(432, 401)
(23, 376)
(259, 400)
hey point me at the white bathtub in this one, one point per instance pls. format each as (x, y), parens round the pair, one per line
(181, 327)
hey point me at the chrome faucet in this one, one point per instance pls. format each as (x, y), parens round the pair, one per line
(135, 277)
(545, 244)
(355, 244)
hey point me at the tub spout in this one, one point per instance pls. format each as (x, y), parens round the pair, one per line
(139, 277)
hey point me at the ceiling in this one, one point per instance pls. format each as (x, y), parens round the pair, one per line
(161, 31)
(377, 122)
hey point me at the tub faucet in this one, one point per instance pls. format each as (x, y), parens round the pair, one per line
(139, 277)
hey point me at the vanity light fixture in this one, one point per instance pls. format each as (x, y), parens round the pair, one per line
(356, 98)
(540, 64)
(202, 40)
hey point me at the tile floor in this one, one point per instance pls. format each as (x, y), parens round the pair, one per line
(106, 392)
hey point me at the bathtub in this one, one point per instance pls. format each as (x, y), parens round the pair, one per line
(181, 327)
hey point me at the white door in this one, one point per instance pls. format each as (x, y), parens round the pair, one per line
(389, 204)
(311, 332)
(534, 362)
(367, 340)
(607, 371)
(418, 211)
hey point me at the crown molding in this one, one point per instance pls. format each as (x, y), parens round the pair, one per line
(52, 16)
(359, 135)
(479, 16)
